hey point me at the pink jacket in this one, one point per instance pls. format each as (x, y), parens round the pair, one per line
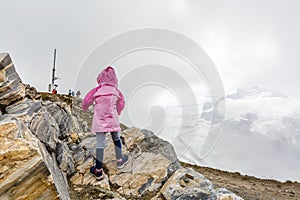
(109, 102)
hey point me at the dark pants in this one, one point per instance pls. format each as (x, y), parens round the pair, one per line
(100, 136)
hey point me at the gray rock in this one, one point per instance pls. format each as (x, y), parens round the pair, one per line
(59, 178)
(156, 145)
(78, 154)
(30, 92)
(63, 118)
(64, 158)
(44, 126)
(11, 87)
(84, 118)
(89, 145)
(152, 162)
(223, 193)
(24, 107)
(4, 60)
(85, 127)
(197, 186)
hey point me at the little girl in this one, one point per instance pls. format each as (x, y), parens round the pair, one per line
(109, 102)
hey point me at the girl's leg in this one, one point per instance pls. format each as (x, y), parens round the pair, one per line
(118, 145)
(100, 136)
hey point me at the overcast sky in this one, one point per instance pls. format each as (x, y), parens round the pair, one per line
(251, 42)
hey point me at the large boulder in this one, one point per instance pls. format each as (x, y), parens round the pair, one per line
(24, 107)
(61, 112)
(186, 183)
(59, 177)
(64, 158)
(23, 175)
(152, 162)
(11, 87)
(44, 126)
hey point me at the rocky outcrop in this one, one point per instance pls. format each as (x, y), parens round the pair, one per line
(11, 87)
(24, 107)
(32, 117)
(31, 92)
(59, 177)
(153, 171)
(44, 126)
(149, 167)
(63, 118)
(65, 159)
(186, 183)
(46, 151)
(23, 174)
(42, 153)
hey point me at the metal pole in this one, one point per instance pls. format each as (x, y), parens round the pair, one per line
(53, 71)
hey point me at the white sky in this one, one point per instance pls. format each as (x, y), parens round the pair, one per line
(253, 42)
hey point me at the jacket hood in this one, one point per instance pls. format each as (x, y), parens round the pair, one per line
(108, 77)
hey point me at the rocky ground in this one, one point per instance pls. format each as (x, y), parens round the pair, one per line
(249, 187)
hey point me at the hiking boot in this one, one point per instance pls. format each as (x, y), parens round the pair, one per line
(122, 162)
(98, 173)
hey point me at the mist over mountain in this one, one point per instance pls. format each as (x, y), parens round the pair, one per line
(261, 134)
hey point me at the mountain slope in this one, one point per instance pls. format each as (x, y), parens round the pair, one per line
(261, 135)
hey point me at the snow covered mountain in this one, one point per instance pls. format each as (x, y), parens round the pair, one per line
(261, 134)
(267, 112)
(255, 92)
